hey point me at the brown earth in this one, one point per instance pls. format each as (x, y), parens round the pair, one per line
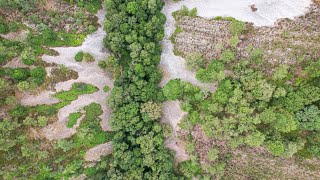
(286, 42)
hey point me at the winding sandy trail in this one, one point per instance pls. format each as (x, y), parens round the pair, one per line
(172, 115)
(88, 73)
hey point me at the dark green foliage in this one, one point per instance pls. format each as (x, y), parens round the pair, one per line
(79, 56)
(309, 118)
(134, 29)
(38, 75)
(21, 5)
(19, 112)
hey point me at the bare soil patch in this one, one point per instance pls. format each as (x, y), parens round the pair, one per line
(282, 43)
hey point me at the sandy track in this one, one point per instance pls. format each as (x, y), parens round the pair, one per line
(172, 115)
(95, 153)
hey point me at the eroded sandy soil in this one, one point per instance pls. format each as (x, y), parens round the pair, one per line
(88, 73)
(172, 115)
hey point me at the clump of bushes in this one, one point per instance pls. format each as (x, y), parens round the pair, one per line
(87, 57)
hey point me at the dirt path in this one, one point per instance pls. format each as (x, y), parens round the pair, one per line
(94, 154)
(88, 73)
(172, 115)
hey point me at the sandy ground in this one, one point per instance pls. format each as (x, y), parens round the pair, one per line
(172, 115)
(96, 152)
(88, 73)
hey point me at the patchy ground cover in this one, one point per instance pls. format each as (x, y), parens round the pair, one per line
(241, 46)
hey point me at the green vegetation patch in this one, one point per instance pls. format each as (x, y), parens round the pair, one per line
(76, 90)
(73, 117)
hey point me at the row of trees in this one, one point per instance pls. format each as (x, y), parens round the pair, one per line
(134, 29)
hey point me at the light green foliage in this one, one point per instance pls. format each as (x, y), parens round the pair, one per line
(227, 56)
(237, 27)
(256, 56)
(90, 5)
(76, 90)
(174, 35)
(257, 86)
(213, 154)
(132, 7)
(38, 75)
(255, 139)
(280, 72)
(42, 121)
(64, 144)
(276, 147)
(194, 61)
(152, 109)
(234, 41)
(279, 92)
(88, 57)
(29, 121)
(23, 85)
(106, 88)
(22, 5)
(111, 64)
(184, 11)
(28, 56)
(3, 84)
(73, 117)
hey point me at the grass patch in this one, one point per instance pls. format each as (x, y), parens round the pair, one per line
(76, 90)
(174, 35)
(73, 117)
(55, 39)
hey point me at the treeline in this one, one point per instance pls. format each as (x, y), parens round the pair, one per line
(134, 29)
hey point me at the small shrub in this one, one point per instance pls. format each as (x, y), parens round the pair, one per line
(194, 61)
(23, 85)
(79, 56)
(88, 57)
(106, 88)
(213, 154)
(42, 121)
(227, 56)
